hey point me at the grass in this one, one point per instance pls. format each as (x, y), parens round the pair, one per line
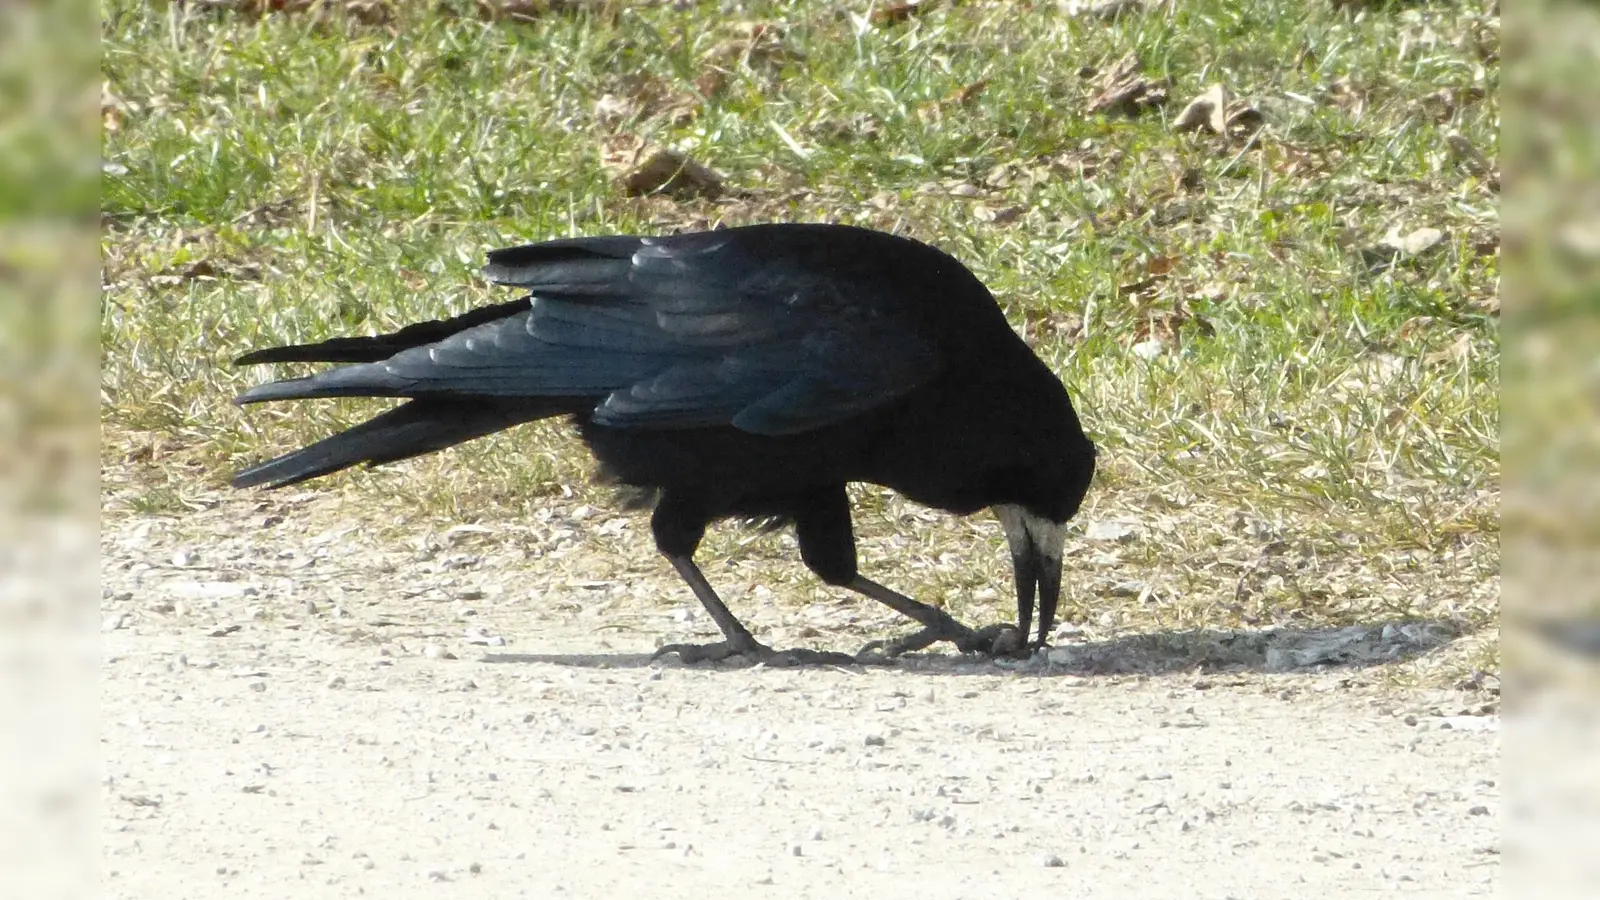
(1552, 442)
(48, 322)
(1300, 422)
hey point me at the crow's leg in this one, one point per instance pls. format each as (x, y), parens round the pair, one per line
(828, 546)
(737, 640)
(678, 524)
(937, 625)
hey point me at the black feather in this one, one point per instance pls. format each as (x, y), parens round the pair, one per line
(412, 429)
(383, 346)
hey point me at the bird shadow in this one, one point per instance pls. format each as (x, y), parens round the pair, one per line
(1204, 650)
(578, 660)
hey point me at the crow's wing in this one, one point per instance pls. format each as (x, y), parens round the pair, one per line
(685, 331)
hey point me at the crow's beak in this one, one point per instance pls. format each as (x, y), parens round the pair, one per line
(1036, 544)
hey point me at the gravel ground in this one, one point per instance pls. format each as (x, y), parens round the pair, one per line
(270, 734)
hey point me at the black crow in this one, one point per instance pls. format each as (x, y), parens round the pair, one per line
(742, 373)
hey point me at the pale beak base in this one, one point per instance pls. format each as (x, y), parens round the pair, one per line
(1036, 549)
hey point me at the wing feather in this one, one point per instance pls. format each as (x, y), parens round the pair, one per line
(694, 330)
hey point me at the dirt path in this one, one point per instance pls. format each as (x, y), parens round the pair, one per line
(263, 741)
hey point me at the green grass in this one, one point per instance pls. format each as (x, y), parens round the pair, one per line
(1317, 442)
(48, 241)
(1552, 439)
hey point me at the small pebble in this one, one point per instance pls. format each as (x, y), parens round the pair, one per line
(874, 740)
(1053, 861)
(434, 651)
(258, 686)
(336, 681)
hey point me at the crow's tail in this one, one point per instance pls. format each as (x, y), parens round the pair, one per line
(383, 346)
(420, 426)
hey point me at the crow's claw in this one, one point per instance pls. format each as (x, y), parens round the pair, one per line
(1001, 639)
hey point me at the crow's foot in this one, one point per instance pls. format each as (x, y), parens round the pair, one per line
(1001, 639)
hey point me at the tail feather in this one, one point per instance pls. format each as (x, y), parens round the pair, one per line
(581, 268)
(360, 380)
(576, 267)
(383, 346)
(413, 429)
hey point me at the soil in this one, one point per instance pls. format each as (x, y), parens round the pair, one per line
(289, 714)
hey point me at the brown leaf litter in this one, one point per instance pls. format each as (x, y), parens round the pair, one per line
(640, 167)
(899, 11)
(1468, 157)
(933, 111)
(1219, 113)
(1080, 163)
(752, 46)
(1125, 90)
(1157, 327)
(112, 109)
(1457, 351)
(999, 216)
(1348, 96)
(641, 97)
(208, 269)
